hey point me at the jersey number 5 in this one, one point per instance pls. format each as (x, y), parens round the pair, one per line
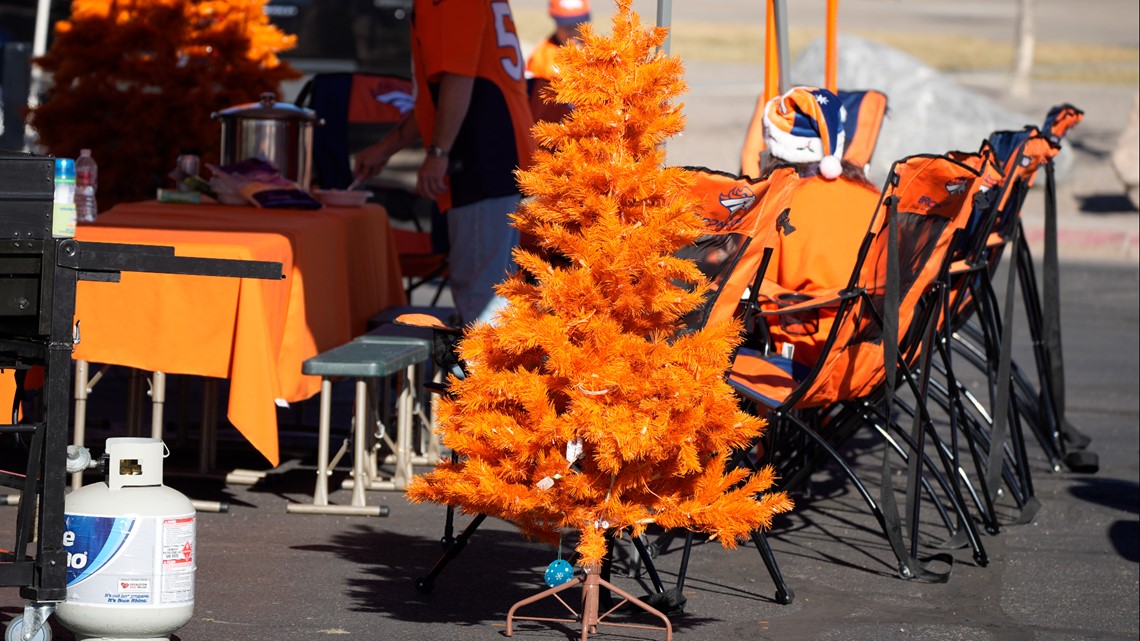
(508, 39)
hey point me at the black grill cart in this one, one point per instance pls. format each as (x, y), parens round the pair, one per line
(38, 276)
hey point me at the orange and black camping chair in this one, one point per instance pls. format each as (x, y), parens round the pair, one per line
(865, 113)
(883, 320)
(981, 329)
(740, 216)
(1044, 311)
(357, 109)
(1045, 406)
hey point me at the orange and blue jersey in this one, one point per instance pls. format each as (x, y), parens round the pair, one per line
(541, 61)
(476, 39)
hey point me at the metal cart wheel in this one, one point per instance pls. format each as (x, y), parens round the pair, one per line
(15, 631)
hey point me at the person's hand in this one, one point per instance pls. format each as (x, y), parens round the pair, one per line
(371, 161)
(431, 181)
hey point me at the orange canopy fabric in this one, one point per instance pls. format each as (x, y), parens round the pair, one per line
(340, 268)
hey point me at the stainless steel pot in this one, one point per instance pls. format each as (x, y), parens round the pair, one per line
(277, 132)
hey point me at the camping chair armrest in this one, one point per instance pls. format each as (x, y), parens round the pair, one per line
(962, 267)
(771, 291)
(445, 339)
(748, 393)
(826, 299)
(426, 320)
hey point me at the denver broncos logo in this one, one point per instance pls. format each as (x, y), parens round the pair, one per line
(956, 185)
(401, 100)
(738, 199)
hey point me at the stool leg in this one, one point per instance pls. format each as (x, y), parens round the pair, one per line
(425, 449)
(320, 504)
(134, 403)
(207, 443)
(79, 432)
(405, 409)
(321, 493)
(158, 403)
(375, 436)
(433, 454)
(360, 446)
(381, 421)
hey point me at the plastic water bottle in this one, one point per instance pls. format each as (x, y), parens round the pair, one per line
(63, 202)
(86, 181)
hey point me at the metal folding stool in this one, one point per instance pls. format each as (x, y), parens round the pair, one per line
(364, 362)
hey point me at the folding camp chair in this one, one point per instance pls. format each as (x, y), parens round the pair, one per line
(980, 330)
(883, 320)
(864, 114)
(357, 109)
(965, 264)
(740, 217)
(1044, 314)
(1064, 441)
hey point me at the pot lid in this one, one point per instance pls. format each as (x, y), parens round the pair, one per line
(267, 109)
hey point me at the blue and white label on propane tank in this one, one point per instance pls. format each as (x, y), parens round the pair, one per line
(130, 560)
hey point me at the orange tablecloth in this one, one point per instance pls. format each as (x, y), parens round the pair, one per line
(340, 268)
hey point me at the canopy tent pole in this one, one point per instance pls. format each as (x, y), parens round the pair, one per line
(832, 60)
(771, 54)
(664, 19)
(39, 48)
(39, 41)
(780, 12)
(776, 82)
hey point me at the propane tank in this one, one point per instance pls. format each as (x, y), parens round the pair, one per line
(130, 550)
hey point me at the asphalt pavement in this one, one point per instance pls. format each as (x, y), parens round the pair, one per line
(264, 575)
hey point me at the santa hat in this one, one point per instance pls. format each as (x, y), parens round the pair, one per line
(570, 13)
(806, 125)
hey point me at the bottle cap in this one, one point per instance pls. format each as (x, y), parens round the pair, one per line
(64, 169)
(84, 152)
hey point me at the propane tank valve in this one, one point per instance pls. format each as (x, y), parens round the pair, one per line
(79, 459)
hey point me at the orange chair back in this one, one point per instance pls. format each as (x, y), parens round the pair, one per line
(740, 216)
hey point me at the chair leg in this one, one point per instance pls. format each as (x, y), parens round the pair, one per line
(845, 468)
(784, 594)
(925, 426)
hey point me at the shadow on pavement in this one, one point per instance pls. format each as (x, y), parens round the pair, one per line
(1106, 203)
(1117, 494)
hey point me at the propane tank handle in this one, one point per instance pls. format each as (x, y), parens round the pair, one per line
(79, 459)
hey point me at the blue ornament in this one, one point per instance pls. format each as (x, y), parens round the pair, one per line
(558, 572)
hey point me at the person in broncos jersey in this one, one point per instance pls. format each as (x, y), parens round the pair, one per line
(568, 16)
(471, 111)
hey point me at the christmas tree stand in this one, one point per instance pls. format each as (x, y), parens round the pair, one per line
(591, 581)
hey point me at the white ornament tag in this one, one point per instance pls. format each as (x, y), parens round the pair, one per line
(574, 450)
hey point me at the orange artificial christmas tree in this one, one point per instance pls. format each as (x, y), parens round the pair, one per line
(135, 81)
(589, 405)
